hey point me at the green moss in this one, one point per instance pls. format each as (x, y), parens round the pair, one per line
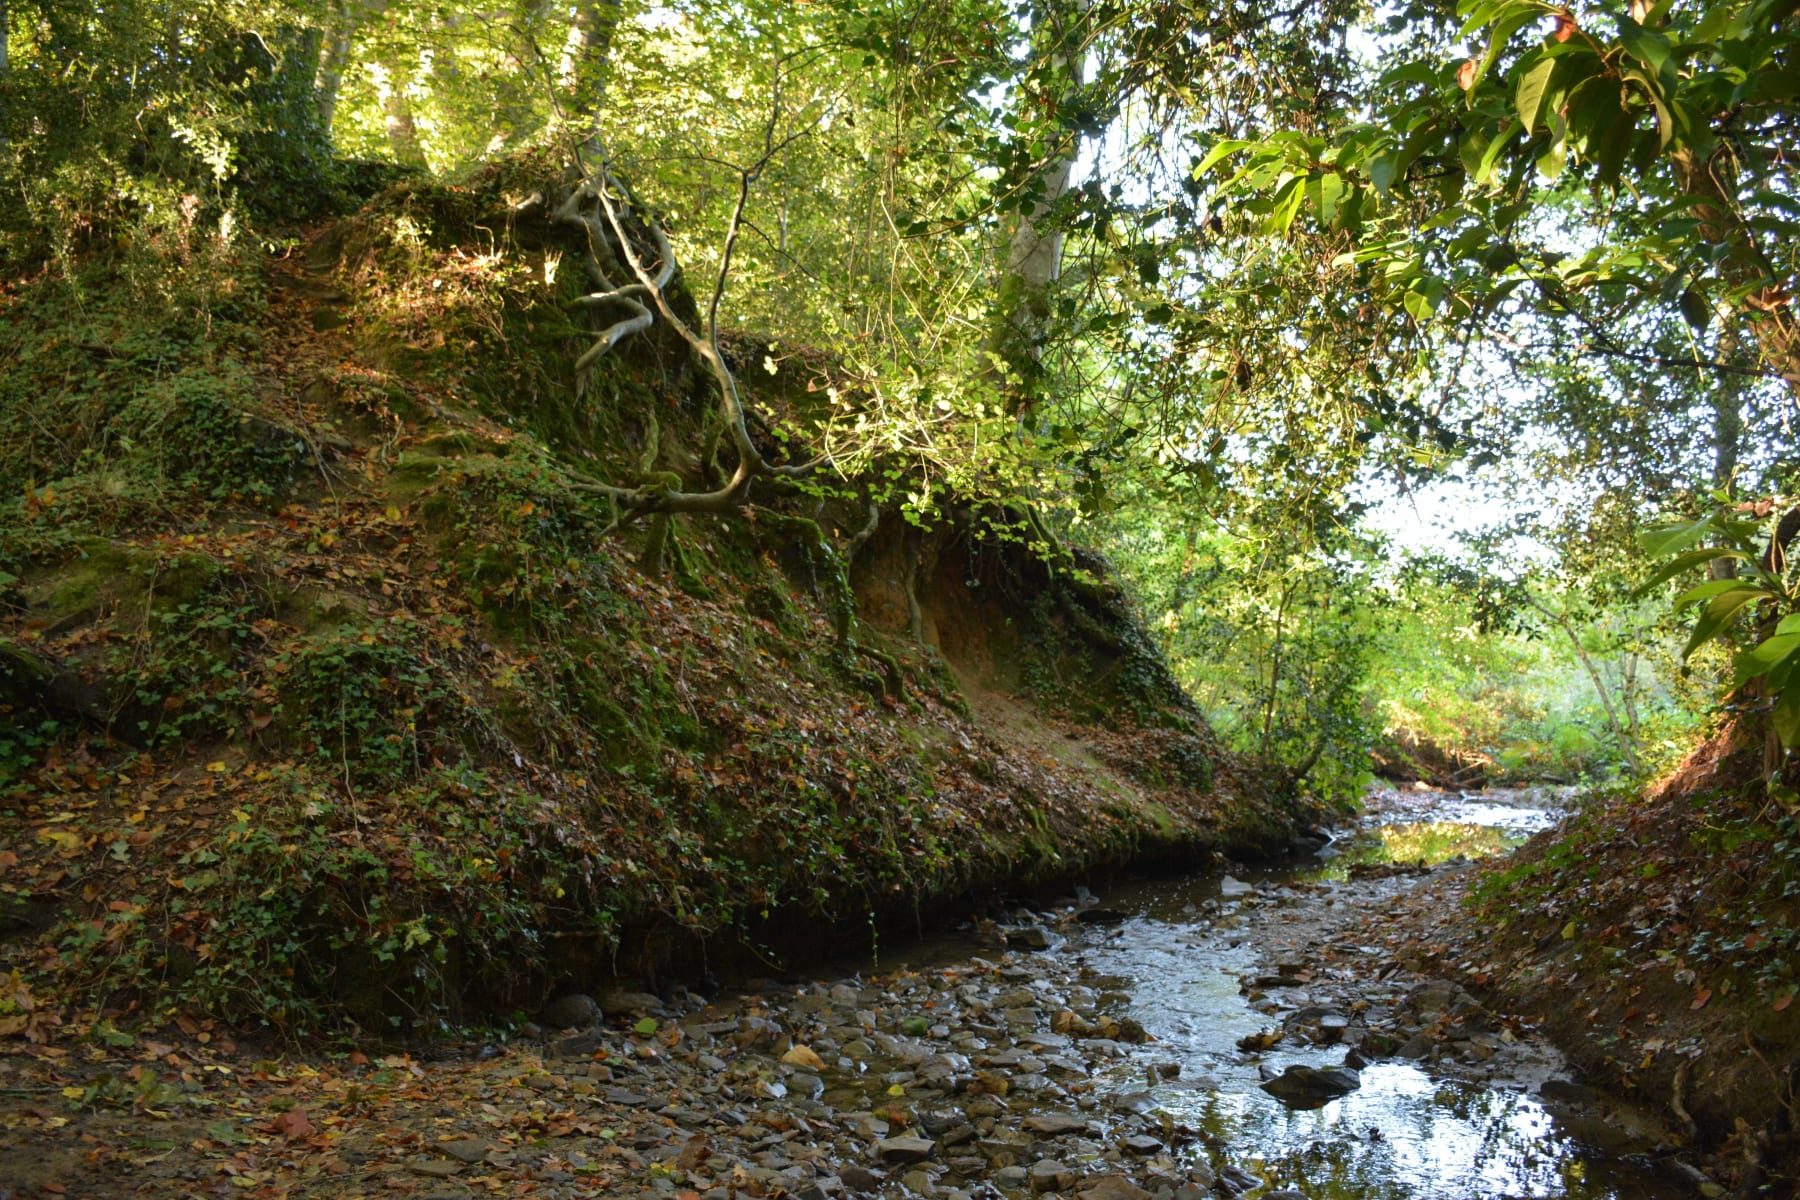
(101, 573)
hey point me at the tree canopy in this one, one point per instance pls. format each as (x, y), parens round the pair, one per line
(1180, 274)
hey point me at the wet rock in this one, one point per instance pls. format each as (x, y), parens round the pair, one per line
(1235, 1179)
(904, 1150)
(1141, 1143)
(1031, 937)
(1048, 1175)
(1416, 1047)
(1012, 1177)
(1563, 1091)
(576, 1010)
(859, 1179)
(1136, 1103)
(1112, 1187)
(1235, 889)
(1309, 1087)
(1100, 916)
(1056, 1124)
(1285, 1194)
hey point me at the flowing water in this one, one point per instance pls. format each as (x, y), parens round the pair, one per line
(1410, 1131)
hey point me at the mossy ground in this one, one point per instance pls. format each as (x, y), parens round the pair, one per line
(331, 701)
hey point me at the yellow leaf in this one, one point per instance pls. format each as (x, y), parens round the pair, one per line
(74, 1093)
(217, 768)
(1568, 931)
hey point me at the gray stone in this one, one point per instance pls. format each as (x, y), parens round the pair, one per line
(632, 1002)
(1309, 1087)
(1048, 1175)
(1416, 1047)
(904, 1149)
(466, 1150)
(1112, 1187)
(1235, 889)
(625, 1098)
(433, 1168)
(1141, 1143)
(859, 1179)
(576, 1010)
(1031, 937)
(1056, 1124)
(1012, 1177)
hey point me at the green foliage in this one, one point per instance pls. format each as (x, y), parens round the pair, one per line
(367, 698)
(1752, 599)
(299, 913)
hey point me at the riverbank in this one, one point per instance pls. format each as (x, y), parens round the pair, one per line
(1652, 937)
(1111, 1048)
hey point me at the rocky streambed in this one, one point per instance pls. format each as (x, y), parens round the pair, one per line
(1245, 1035)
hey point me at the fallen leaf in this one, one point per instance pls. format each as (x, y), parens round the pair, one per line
(1782, 1001)
(1700, 999)
(804, 1056)
(293, 1124)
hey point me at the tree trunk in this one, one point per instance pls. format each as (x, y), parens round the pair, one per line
(5, 72)
(581, 76)
(391, 80)
(1627, 743)
(1035, 245)
(340, 31)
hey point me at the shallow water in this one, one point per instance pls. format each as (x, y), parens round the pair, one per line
(1405, 1134)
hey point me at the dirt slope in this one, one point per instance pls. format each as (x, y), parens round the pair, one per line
(333, 698)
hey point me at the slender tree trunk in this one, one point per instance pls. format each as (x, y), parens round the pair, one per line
(581, 76)
(5, 72)
(1268, 728)
(391, 80)
(340, 32)
(1034, 245)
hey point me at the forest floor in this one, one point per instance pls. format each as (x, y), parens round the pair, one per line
(980, 1064)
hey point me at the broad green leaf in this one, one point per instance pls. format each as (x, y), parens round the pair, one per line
(1220, 152)
(1648, 46)
(1709, 591)
(1528, 97)
(1765, 657)
(1694, 309)
(1717, 615)
(1492, 154)
(1682, 563)
(1667, 539)
(1509, 21)
(1786, 717)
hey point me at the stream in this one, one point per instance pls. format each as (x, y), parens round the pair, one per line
(1452, 1127)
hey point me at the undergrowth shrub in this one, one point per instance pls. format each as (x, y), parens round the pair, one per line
(305, 909)
(370, 699)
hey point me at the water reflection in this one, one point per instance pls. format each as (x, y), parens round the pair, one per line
(1404, 1135)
